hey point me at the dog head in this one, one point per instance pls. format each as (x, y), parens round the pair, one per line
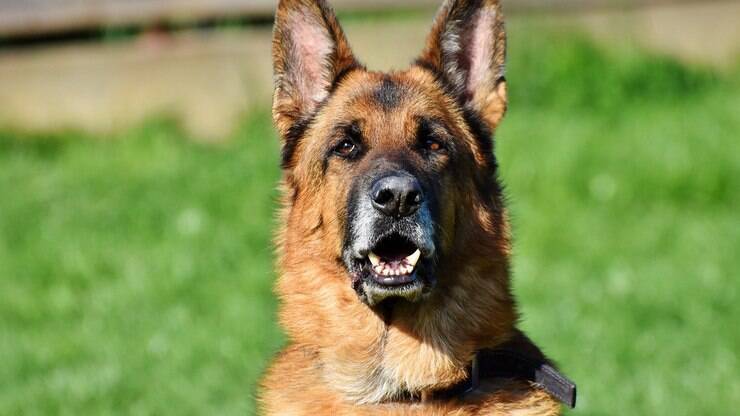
(390, 177)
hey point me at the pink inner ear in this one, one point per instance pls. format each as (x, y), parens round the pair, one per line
(480, 49)
(312, 47)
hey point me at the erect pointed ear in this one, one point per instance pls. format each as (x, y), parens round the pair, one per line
(309, 52)
(467, 47)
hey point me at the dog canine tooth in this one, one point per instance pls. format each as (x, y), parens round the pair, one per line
(374, 259)
(413, 258)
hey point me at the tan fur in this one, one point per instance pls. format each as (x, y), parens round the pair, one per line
(344, 357)
(301, 394)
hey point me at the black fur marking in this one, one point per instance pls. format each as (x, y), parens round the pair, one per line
(294, 135)
(423, 63)
(423, 131)
(435, 130)
(388, 94)
(482, 135)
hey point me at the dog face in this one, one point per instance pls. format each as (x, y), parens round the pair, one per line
(389, 175)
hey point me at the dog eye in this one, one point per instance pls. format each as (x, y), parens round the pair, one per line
(433, 145)
(346, 148)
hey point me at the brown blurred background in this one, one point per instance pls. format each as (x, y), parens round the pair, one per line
(65, 64)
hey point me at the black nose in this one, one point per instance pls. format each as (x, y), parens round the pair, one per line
(396, 195)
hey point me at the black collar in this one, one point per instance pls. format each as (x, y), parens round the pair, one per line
(518, 359)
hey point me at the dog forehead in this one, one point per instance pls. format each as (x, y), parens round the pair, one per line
(391, 92)
(386, 104)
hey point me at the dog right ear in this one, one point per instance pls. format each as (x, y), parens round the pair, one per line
(309, 52)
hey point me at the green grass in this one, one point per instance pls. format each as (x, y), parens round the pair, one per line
(135, 274)
(135, 270)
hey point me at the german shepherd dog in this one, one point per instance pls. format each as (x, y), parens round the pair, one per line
(394, 245)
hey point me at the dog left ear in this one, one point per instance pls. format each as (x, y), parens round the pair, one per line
(309, 53)
(467, 47)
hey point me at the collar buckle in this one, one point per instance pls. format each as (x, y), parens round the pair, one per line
(474, 381)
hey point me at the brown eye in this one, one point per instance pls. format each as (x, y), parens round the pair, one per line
(346, 148)
(433, 145)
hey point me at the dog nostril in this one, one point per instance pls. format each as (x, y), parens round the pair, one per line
(410, 202)
(413, 198)
(383, 196)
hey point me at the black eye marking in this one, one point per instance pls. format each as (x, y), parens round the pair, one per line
(432, 137)
(350, 142)
(346, 148)
(432, 145)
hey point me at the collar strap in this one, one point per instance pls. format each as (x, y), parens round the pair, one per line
(506, 363)
(515, 362)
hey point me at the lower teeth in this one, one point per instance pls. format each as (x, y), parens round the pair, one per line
(387, 271)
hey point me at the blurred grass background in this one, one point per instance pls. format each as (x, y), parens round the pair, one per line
(136, 267)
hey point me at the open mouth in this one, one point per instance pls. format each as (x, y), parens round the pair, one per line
(393, 260)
